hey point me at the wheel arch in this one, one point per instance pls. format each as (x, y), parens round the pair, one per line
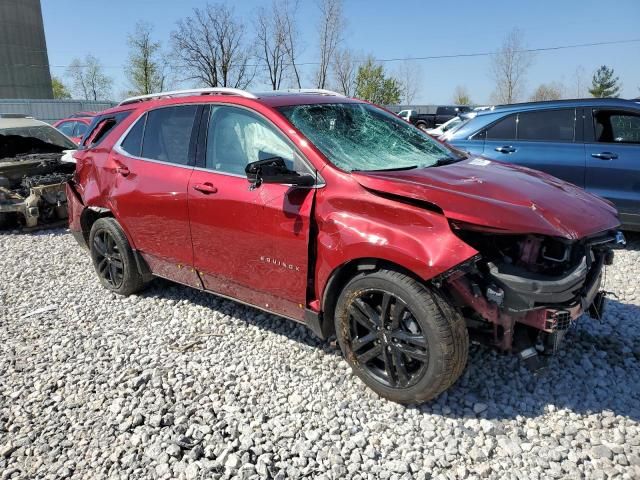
(91, 214)
(339, 278)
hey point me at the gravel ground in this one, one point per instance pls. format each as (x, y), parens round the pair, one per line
(175, 383)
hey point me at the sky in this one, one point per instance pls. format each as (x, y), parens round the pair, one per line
(388, 29)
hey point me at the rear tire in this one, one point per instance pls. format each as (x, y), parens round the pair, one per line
(113, 258)
(423, 126)
(403, 341)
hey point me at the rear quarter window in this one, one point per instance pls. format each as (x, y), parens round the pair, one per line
(101, 126)
(132, 144)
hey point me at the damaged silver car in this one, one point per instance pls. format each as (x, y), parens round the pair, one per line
(32, 172)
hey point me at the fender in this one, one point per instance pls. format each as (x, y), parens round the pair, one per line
(414, 238)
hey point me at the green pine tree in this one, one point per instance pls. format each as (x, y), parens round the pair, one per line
(604, 84)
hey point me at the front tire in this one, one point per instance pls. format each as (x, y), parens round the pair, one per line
(113, 258)
(401, 340)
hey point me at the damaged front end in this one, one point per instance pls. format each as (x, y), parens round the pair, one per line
(32, 173)
(523, 292)
(32, 190)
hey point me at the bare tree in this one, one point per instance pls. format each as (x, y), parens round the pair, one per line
(211, 47)
(292, 38)
(461, 96)
(548, 91)
(271, 39)
(409, 75)
(330, 31)
(580, 82)
(89, 80)
(509, 67)
(344, 71)
(146, 70)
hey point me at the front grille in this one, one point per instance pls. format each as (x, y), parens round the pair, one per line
(559, 321)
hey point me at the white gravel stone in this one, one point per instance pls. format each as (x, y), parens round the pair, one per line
(102, 386)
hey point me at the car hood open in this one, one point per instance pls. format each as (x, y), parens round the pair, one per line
(500, 196)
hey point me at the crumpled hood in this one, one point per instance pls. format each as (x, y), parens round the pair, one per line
(500, 196)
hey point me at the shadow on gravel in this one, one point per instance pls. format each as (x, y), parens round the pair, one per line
(590, 374)
(633, 240)
(596, 371)
(161, 288)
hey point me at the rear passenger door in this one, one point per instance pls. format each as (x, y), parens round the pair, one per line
(545, 140)
(613, 159)
(152, 166)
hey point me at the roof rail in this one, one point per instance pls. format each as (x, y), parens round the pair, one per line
(192, 91)
(319, 91)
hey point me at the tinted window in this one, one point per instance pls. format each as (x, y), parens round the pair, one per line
(616, 127)
(81, 129)
(167, 134)
(447, 110)
(132, 144)
(549, 125)
(237, 137)
(505, 129)
(67, 128)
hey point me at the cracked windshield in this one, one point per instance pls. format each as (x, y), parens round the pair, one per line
(360, 137)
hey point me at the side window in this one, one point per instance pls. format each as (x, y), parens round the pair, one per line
(80, 130)
(167, 134)
(132, 144)
(237, 137)
(67, 128)
(505, 129)
(612, 126)
(548, 125)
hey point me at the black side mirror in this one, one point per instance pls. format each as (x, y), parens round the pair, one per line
(274, 170)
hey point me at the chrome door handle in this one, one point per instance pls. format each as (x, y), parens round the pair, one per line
(605, 155)
(506, 149)
(205, 188)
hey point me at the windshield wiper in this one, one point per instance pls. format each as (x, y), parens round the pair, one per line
(410, 167)
(447, 161)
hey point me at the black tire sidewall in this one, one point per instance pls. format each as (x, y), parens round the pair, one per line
(424, 310)
(132, 280)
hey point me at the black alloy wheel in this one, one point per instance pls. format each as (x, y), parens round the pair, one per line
(403, 340)
(113, 258)
(110, 265)
(386, 339)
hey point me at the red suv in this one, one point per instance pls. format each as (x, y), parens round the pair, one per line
(337, 214)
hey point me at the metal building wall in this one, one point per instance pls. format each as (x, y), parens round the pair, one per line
(51, 110)
(24, 64)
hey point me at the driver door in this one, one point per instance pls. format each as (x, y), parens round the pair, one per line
(249, 244)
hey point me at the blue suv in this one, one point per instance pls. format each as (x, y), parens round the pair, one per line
(593, 143)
